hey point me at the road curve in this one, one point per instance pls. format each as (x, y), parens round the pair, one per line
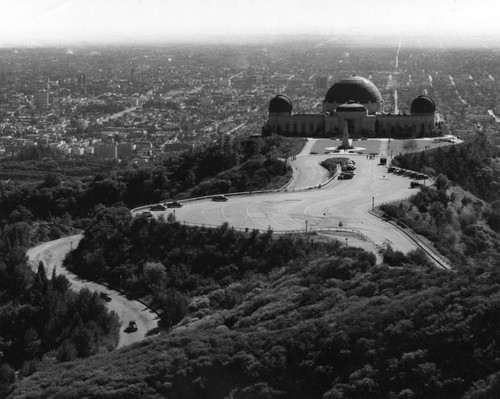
(52, 253)
(346, 201)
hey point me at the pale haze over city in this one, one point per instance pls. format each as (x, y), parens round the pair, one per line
(46, 22)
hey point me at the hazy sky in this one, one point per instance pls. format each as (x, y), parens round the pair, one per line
(100, 21)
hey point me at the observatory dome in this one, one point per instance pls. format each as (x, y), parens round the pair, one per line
(355, 88)
(423, 105)
(280, 104)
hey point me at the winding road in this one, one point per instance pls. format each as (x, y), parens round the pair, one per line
(294, 209)
(52, 254)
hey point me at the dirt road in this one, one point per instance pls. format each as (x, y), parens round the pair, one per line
(52, 254)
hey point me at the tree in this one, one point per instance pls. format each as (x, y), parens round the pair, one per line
(51, 180)
(154, 276)
(175, 306)
(7, 374)
(67, 352)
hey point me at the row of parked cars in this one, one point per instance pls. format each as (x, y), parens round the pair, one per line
(409, 173)
(177, 204)
(347, 170)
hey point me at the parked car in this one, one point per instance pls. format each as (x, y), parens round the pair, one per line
(105, 296)
(346, 176)
(415, 184)
(219, 198)
(132, 327)
(157, 207)
(174, 204)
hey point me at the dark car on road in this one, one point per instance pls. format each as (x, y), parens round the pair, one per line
(174, 204)
(105, 296)
(415, 184)
(157, 207)
(132, 327)
(346, 176)
(219, 198)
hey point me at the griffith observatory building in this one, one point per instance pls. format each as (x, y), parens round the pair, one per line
(355, 103)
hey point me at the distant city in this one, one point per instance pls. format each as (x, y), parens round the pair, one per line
(136, 103)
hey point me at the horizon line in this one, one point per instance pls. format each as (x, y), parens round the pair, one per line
(255, 38)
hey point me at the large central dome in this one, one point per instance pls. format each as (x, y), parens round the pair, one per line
(355, 88)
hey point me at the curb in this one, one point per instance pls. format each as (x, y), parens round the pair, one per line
(438, 259)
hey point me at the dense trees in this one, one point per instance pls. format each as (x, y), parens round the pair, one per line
(167, 261)
(462, 226)
(255, 315)
(42, 321)
(332, 326)
(474, 165)
(225, 166)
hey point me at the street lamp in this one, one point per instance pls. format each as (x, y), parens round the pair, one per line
(346, 239)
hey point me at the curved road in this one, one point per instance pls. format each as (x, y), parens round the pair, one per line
(346, 201)
(52, 254)
(306, 169)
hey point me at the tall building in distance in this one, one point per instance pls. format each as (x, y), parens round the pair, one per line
(354, 102)
(81, 81)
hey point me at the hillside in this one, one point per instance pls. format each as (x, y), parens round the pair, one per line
(42, 322)
(473, 164)
(253, 315)
(329, 326)
(460, 213)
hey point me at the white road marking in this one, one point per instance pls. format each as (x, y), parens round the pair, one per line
(206, 217)
(223, 214)
(250, 216)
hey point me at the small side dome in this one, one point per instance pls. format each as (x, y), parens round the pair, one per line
(351, 106)
(280, 104)
(423, 105)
